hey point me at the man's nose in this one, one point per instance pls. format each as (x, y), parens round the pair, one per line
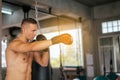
(35, 32)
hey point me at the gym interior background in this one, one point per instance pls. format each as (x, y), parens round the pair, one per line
(94, 26)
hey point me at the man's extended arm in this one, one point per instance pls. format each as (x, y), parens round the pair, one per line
(22, 47)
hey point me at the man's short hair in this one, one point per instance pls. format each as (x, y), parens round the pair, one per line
(29, 20)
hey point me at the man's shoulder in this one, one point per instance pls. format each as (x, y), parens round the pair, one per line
(15, 41)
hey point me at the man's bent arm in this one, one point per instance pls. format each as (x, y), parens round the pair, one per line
(41, 58)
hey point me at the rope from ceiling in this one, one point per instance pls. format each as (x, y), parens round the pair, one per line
(36, 15)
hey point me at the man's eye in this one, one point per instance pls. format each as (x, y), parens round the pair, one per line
(33, 30)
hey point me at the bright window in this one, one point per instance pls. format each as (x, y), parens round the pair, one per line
(71, 55)
(4, 45)
(110, 26)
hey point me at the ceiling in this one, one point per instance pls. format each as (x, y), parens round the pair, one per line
(18, 4)
(93, 3)
(90, 3)
(14, 5)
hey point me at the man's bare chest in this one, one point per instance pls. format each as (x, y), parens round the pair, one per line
(24, 57)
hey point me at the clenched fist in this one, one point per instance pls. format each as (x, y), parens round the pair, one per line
(63, 38)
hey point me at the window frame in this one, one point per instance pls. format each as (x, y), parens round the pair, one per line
(111, 26)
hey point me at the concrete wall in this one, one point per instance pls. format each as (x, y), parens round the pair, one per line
(0, 35)
(16, 17)
(103, 13)
(106, 11)
(69, 7)
(65, 7)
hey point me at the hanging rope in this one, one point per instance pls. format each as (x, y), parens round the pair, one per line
(36, 15)
(62, 76)
(77, 46)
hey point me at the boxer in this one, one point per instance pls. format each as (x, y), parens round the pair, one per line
(19, 52)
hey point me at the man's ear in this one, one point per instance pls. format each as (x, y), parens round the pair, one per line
(23, 28)
(14, 31)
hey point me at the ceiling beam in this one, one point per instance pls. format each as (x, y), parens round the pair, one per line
(21, 5)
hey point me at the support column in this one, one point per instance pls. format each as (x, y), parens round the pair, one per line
(0, 35)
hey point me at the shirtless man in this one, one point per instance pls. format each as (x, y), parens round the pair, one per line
(20, 52)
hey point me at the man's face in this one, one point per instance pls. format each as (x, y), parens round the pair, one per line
(31, 31)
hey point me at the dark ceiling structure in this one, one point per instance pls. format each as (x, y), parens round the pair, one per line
(93, 3)
(89, 3)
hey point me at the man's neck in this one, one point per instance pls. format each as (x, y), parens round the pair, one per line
(23, 38)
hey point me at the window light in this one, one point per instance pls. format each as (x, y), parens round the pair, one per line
(6, 11)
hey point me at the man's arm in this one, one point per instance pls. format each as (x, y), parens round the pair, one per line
(42, 58)
(19, 46)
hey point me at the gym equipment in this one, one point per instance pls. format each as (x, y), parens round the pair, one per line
(112, 76)
(26, 10)
(101, 78)
(61, 76)
(39, 72)
(80, 77)
(36, 15)
(118, 78)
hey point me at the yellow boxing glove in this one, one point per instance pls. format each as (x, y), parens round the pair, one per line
(63, 38)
